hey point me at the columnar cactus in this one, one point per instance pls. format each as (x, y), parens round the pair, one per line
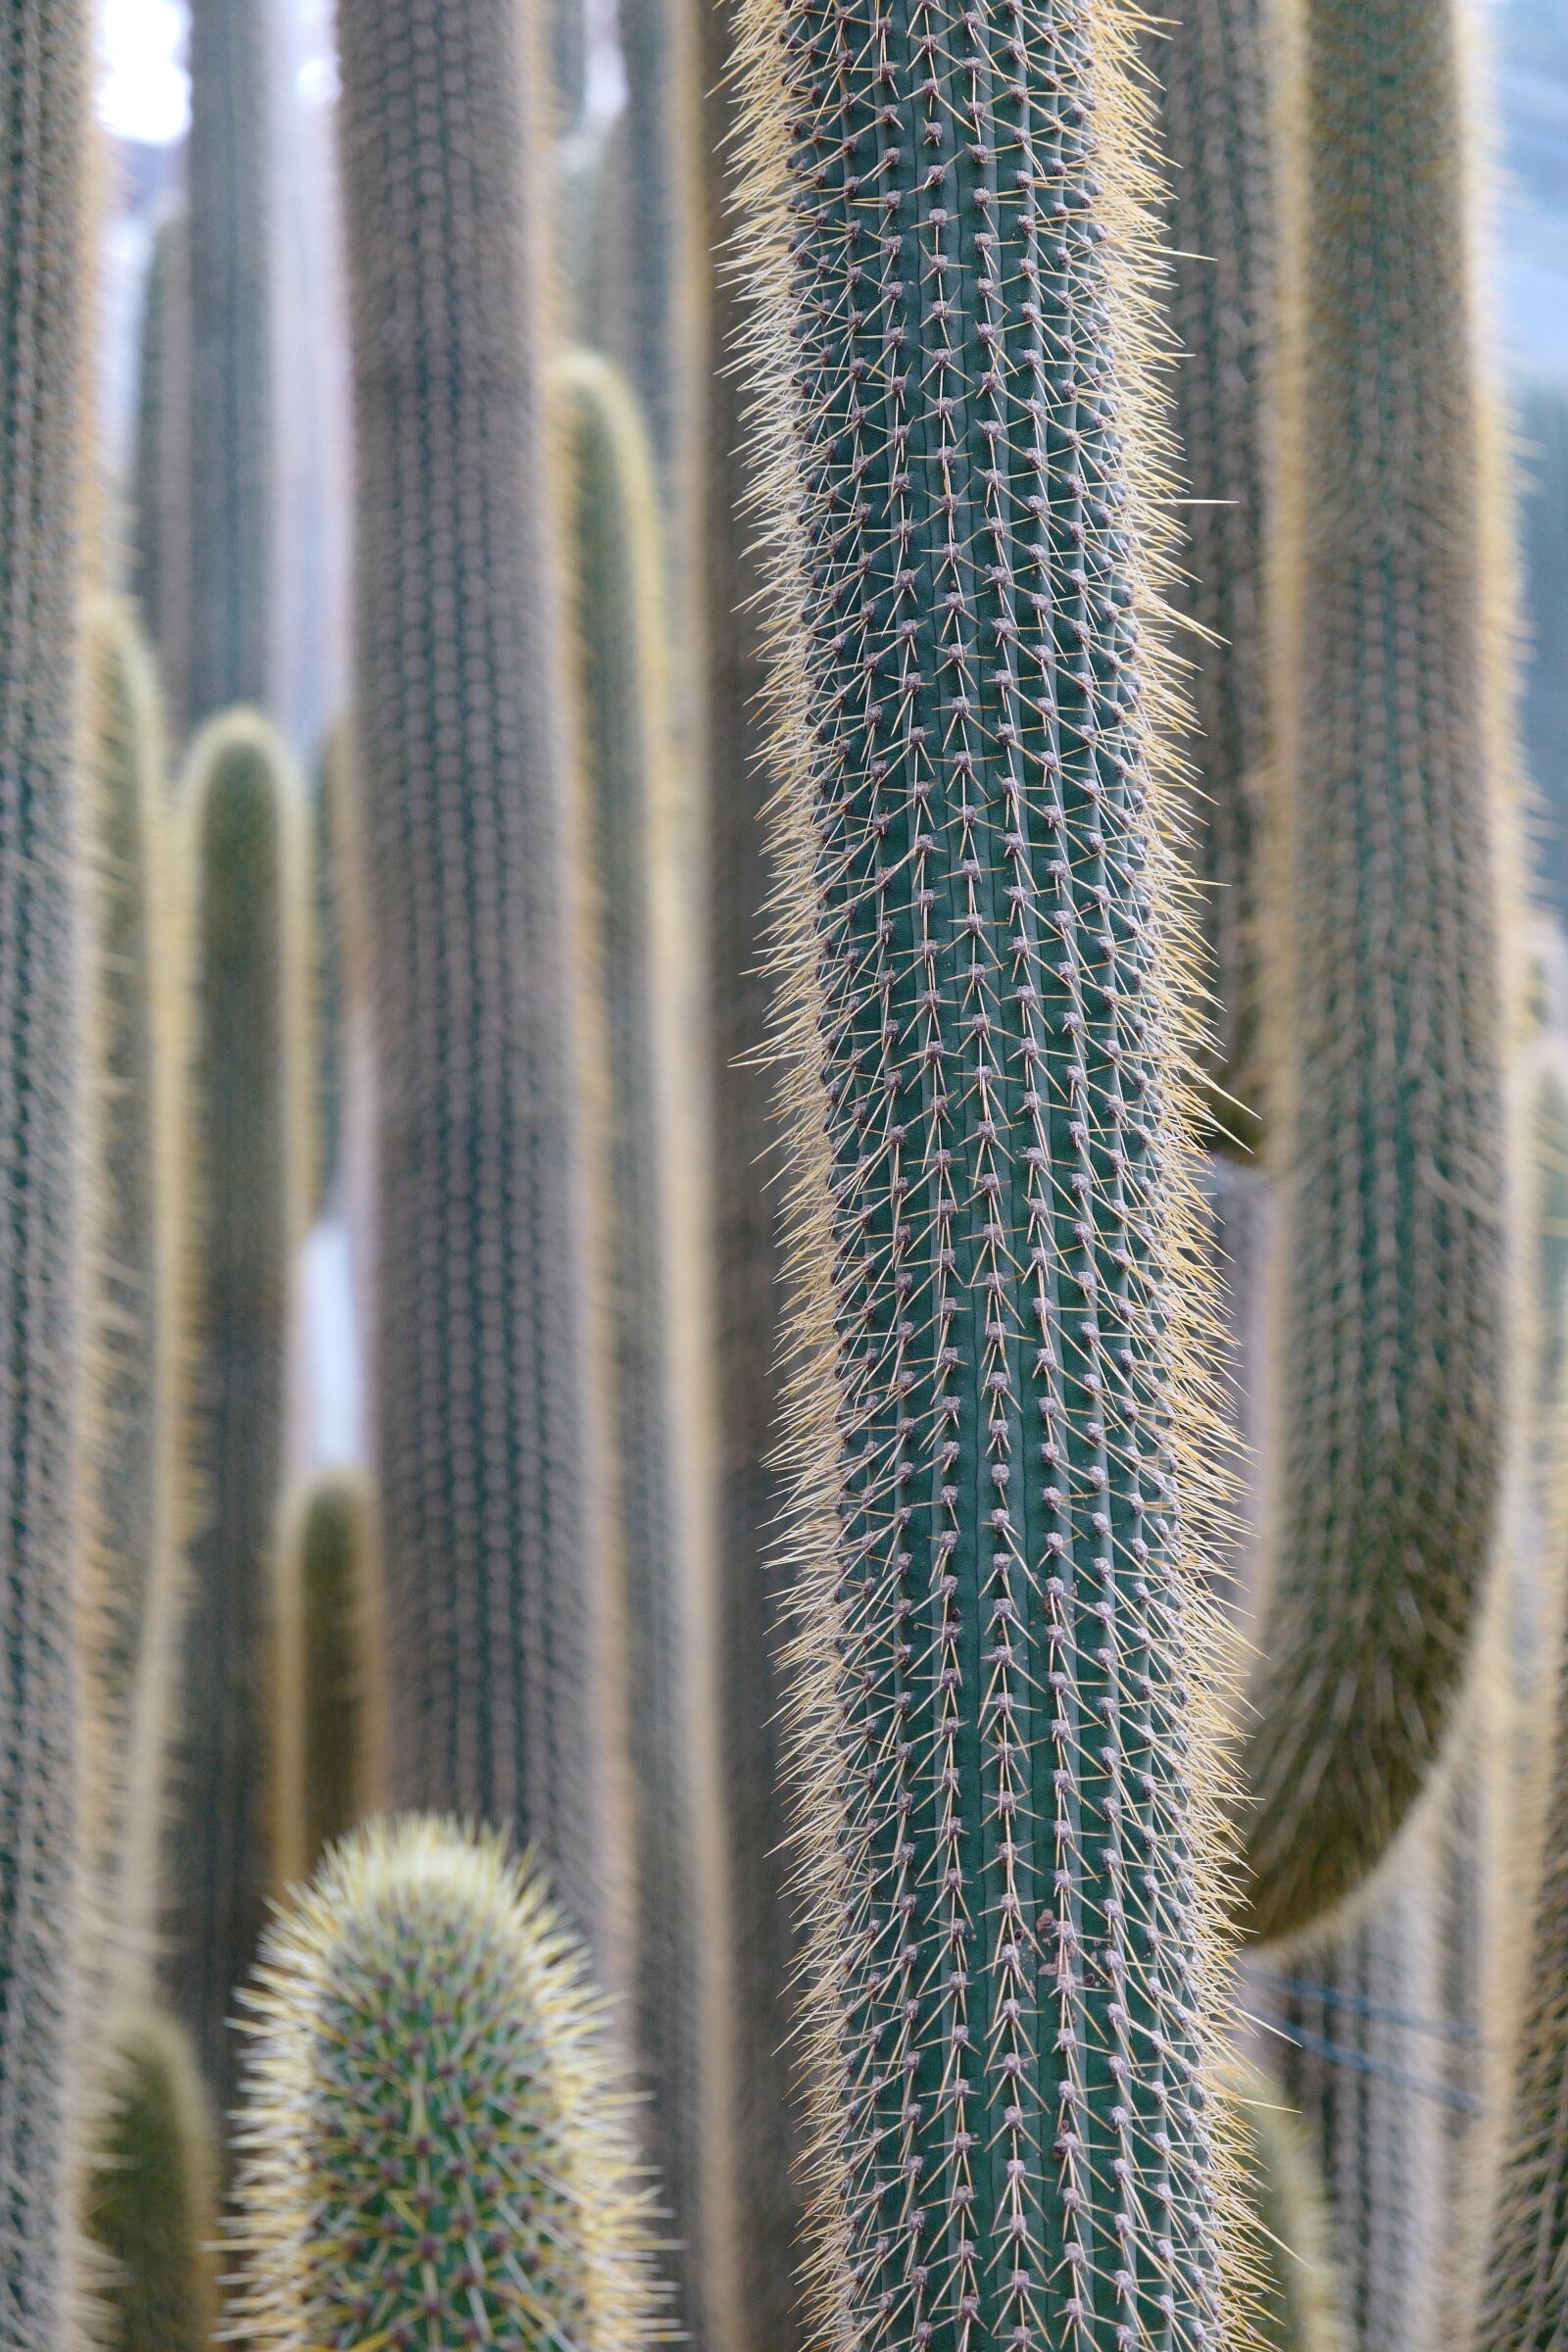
(434, 2141)
(1210, 57)
(244, 878)
(134, 1499)
(1004, 1794)
(1365, 2062)
(1293, 2303)
(638, 825)
(328, 1027)
(160, 570)
(45, 88)
(488, 1478)
(151, 2192)
(231, 447)
(331, 1707)
(1394, 768)
(655, 195)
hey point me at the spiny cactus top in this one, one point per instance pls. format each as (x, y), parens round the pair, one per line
(152, 2192)
(45, 89)
(1395, 757)
(434, 2143)
(1003, 1783)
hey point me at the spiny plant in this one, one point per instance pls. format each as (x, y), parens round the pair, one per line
(244, 879)
(133, 1502)
(1210, 59)
(330, 1703)
(1365, 2059)
(488, 1476)
(228, 240)
(46, 95)
(1294, 2302)
(1003, 1786)
(160, 524)
(329, 851)
(434, 2137)
(151, 2192)
(1544, 514)
(1395, 768)
(637, 826)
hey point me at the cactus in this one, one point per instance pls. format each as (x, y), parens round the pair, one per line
(1210, 66)
(329, 1678)
(637, 826)
(244, 877)
(488, 1453)
(1386, 982)
(45, 87)
(133, 1496)
(1002, 1778)
(160, 572)
(1295, 2301)
(230, 447)
(1366, 2064)
(1544, 516)
(152, 2201)
(330, 1024)
(432, 2123)
(653, 199)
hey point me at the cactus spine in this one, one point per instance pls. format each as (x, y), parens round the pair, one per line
(152, 2206)
(133, 1503)
(1394, 764)
(331, 1706)
(44, 100)
(1215, 116)
(490, 1509)
(433, 2126)
(230, 451)
(1005, 1800)
(637, 828)
(244, 878)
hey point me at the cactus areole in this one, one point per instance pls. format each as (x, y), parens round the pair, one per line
(1001, 1775)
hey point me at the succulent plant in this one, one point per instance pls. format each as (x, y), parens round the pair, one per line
(151, 2192)
(330, 1704)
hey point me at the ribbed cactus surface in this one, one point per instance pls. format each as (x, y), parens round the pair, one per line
(482, 1406)
(1210, 58)
(1293, 2304)
(332, 1722)
(151, 2192)
(638, 827)
(230, 242)
(244, 878)
(133, 1496)
(44, 322)
(434, 2139)
(1394, 767)
(1004, 1803)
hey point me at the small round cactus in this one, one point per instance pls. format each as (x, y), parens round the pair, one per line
(434, 2147)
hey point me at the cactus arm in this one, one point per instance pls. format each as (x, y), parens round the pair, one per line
(152, 2205)
(161, 550)
(333, 1713)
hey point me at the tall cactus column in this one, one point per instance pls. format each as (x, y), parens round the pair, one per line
(490, 1515)
(1005, 1798)
(44, 314)
(1394, 764)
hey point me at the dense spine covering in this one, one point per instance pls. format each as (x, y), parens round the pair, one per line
(434, 2141)
(1366, 2056)
(135, 1474)
(160, 570)
(44, 320)
(331, 1725)
(1294, 2298)
(637, 826)
(1210, 59)
(1388, 1107)
(229, 239)
(1005, 1787)
(490, 1511)
(151, 2192)
(244, 879)
(760, 2124)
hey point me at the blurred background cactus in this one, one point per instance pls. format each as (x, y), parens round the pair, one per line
(707, 1176)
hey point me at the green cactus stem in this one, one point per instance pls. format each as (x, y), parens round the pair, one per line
(1395, 767)
(488, 1474)
(135, 1474)
(1004, 1794)
(333, 1715)
(328, 1027)
(45, 97)
(433, 2127)
(1294, 2300)
(151, 2192)
(159, 576)
(230, 455)
(245, 876)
